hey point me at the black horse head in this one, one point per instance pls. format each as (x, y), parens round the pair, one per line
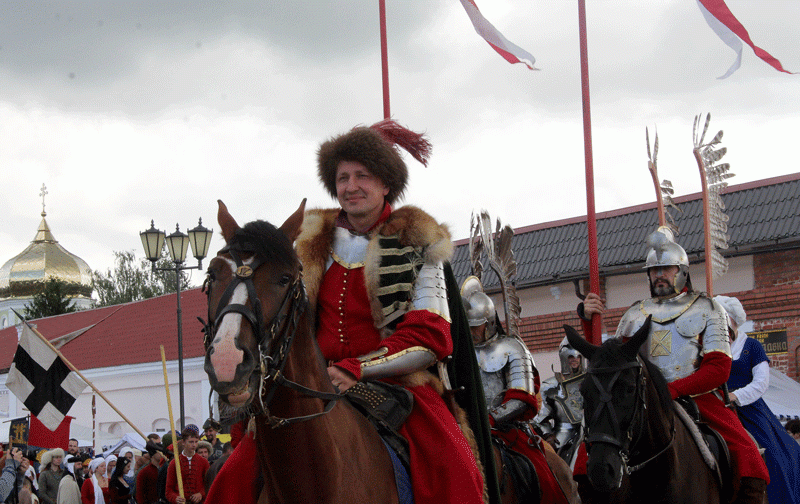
(613, 400)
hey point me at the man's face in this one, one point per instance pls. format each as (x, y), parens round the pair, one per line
(662, 279)
(360, 193)
(203, 452)
(78, 466)
(575, 362)
(211, 435)
(72, 447)
(190, 444)
(478, 333)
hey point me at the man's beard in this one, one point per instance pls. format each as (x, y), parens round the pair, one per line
(662, 288)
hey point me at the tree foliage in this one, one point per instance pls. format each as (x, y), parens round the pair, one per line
(52, 300)
(134, 280)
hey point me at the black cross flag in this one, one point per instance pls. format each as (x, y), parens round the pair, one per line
(42, 380)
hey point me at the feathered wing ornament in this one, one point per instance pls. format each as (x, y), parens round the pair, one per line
(497, 246)
(713, 176)
(664, 190)
(475, 247)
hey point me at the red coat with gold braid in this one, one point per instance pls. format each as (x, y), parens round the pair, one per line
(373, 321)
(193, 475)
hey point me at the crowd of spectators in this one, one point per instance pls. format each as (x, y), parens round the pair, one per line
(130, 476)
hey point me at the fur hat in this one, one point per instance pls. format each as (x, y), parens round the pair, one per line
(205, 444)
(376, 148)
(49, 455)
(212, 424)
(152, 447)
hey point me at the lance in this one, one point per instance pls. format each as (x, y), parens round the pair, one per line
(384, 60)
(591, 219)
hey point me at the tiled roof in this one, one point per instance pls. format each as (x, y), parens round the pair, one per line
(123, 334)
(762, 214)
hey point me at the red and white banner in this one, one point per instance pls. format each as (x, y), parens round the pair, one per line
(507, 49)
(720, 18)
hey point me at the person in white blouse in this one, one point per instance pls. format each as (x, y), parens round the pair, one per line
(748, 381)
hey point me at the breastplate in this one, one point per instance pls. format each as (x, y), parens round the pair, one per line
(682, 328)
(568, 403)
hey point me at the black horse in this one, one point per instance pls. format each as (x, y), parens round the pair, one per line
(639, 450)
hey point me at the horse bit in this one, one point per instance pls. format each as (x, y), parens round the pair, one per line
(639, 407)
(271, 361)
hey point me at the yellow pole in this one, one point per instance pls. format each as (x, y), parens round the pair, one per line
(69, 364)
(177, 458)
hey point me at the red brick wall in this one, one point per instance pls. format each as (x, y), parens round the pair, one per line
(774, 303)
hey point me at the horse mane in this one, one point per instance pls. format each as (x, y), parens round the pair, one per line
(264, 239)
(660, 383)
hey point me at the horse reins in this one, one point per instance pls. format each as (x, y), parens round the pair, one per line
(271, 360)
(623, 444)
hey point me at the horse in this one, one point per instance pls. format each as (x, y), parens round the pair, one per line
(638, 448)
(262, 358)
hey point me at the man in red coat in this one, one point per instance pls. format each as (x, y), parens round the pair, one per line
(688, 342)
(147, 478)
(193, 471)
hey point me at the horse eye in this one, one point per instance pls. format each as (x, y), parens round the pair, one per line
(285, 279)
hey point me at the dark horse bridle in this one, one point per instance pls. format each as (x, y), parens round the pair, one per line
(622, 441)
(274, 339)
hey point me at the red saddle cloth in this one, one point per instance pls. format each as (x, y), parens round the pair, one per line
(521, 443)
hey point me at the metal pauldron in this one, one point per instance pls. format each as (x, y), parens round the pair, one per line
(404, 362)
(430, 290)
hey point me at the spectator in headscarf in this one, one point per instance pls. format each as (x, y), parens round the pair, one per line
(748, 381)
(95, 489)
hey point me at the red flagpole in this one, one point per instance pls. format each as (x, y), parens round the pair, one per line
(591, 220)
(384, 60)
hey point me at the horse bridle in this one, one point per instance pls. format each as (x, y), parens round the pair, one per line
(273, 349)
(620, 441)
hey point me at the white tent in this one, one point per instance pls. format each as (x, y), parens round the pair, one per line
(131, 439)
(783, 396)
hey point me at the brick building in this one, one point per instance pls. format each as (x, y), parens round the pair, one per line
(764, 266)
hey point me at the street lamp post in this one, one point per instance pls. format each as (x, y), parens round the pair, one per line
(177, 243)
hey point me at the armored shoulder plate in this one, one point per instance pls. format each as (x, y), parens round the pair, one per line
(496, 352)
(662, 311)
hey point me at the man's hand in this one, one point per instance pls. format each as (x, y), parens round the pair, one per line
(196, 497)
(180, 500)
(593, 304)
(341, 378)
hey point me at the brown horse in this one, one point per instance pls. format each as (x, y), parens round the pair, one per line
(639, 450)
(262, 358)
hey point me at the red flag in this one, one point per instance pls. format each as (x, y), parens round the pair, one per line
(41, 435)
(720, 18)
(508, 50)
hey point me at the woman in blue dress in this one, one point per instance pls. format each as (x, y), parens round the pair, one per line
(748, 381)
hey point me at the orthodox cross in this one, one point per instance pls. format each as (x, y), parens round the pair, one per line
(43, 193)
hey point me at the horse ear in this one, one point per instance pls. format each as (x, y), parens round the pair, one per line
(292, 225)
(631, 347)
(581, 345)
(226, 222)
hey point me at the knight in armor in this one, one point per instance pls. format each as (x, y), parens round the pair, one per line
(510, 384)
(688, 342)
(561, 416)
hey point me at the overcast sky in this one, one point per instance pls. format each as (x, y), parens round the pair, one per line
(136, 110)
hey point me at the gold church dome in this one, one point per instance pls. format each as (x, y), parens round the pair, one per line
(45, 258)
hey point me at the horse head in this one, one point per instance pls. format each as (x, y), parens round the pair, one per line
(613, 399)
(255, 292)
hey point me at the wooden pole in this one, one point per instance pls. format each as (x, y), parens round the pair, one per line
(69, 365)
(384, 59)
(177, 458)
(591, 219)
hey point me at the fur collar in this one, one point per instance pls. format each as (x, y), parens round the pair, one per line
(411, 225)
